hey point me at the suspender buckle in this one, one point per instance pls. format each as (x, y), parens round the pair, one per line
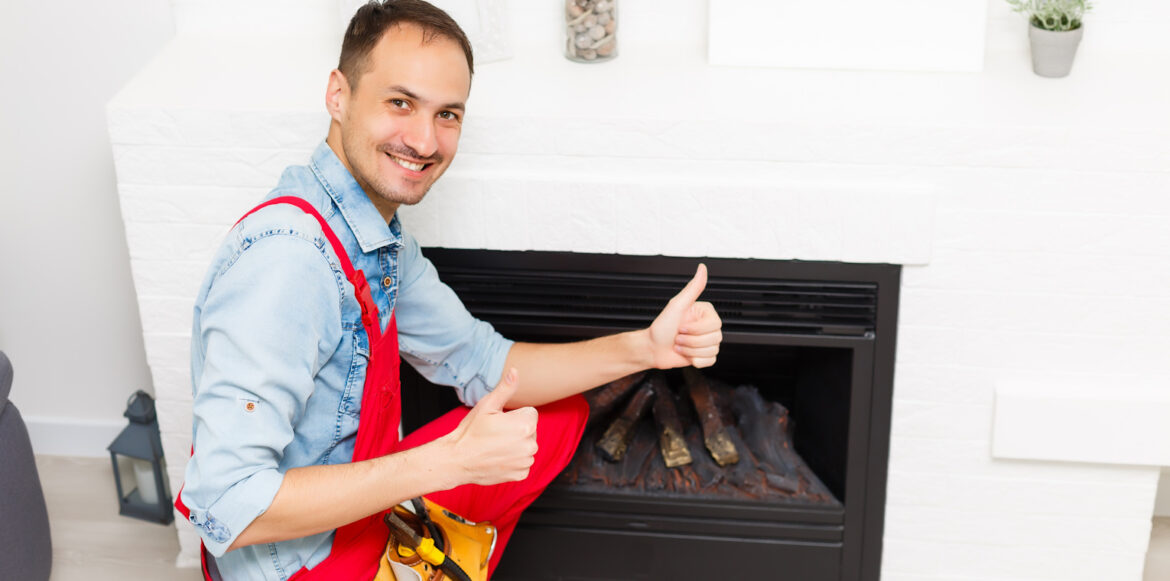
(362, 291)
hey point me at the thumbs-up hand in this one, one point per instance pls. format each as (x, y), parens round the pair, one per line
(687, 331)
(496, 445)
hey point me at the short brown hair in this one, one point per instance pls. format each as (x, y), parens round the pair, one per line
(373, 19)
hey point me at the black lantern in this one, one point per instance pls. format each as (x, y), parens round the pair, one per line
(139, 468)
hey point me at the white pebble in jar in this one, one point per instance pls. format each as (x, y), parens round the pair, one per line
(590, 30)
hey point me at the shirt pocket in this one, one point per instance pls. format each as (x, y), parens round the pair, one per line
(351, 395)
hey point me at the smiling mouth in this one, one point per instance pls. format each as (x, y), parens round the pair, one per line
(412, 166)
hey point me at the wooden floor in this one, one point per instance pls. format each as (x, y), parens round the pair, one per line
(1158, 558)
(91, 542)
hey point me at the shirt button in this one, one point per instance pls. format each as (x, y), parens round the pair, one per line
(386, 282)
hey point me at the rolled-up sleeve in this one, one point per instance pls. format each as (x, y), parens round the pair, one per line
(437, 335)
(270, 319)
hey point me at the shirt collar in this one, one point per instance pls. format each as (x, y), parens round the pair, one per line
(359, 213)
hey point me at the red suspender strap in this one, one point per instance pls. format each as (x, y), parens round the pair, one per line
(182, 508)
(360, 285)
(308, 208)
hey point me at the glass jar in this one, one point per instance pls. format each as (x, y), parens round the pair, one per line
(590, 30)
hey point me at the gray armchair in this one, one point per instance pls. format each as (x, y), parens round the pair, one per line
(26, 551)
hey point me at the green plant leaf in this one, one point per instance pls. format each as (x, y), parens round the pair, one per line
(1053, 14)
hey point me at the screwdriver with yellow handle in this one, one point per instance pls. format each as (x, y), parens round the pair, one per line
(424, 547)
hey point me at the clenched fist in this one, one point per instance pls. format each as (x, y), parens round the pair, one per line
(687, 331)
(495, 445)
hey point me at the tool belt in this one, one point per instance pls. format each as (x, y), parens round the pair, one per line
(432, 543)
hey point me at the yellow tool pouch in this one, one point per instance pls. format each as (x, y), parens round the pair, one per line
(468, 544)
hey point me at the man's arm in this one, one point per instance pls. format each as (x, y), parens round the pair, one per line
(265, 326)
(686, 332)
(488, 447)
(270, 313)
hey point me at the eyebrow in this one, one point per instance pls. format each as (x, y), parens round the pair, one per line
(412, 95)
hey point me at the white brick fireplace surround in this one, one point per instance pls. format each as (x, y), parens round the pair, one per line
(1032, 384)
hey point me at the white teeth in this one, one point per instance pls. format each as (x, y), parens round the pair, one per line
(408, 165)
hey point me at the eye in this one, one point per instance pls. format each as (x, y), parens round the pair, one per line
(398, 103)
(449, 116)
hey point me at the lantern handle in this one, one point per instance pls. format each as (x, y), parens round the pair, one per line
(140, 407)
(135, 396)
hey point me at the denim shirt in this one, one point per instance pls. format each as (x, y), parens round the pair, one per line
(279, 355)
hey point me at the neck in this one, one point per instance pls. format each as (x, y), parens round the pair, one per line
(385, 208)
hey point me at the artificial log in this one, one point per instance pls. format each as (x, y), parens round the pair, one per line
(656, 477)
(768, 466)
(765, 428)
(632, 470)
(617, 436)
(668, 425)
(745, 475)
(603, 400)
(708, 474)
(715, 435)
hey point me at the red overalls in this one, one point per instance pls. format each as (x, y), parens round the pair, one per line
(357, 546)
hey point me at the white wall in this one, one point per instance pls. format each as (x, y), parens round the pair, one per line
(68, 316)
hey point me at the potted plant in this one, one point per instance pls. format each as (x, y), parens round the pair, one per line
(1054, 33)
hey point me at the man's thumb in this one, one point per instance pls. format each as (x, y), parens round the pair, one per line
(690, 293)
(498, 398)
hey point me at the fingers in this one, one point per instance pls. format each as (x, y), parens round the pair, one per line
(514, 462)
(701, 362)
(706, 339)
(527, 418)
(693, 352)
(498, 446)
(698, 339)
(700, 318)
(694, 288)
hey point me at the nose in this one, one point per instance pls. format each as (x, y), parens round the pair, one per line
(420, 136)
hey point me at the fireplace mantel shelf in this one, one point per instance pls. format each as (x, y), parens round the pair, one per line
(677, 107)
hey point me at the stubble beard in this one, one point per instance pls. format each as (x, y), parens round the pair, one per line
(394, 195)
(374, 183)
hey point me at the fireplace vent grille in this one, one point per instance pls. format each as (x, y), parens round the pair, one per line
(562, 298)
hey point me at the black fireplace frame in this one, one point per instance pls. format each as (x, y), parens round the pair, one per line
(858, 527)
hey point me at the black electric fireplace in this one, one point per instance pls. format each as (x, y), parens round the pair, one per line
(814, 337)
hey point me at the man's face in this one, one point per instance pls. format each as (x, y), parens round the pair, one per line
(400, 127)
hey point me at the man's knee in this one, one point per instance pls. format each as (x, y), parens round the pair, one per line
(559, 429)
(568, 415)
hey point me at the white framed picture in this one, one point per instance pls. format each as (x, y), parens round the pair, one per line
(484, 21)
(894, 35)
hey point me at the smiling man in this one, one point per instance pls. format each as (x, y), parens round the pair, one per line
(314, 296)
(398, 111)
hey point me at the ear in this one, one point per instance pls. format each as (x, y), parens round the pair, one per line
(337, 95)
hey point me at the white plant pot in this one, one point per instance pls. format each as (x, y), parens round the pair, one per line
(1053, 51)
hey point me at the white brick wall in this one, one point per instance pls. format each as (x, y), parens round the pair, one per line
(1053, 276)
(1037, 249)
